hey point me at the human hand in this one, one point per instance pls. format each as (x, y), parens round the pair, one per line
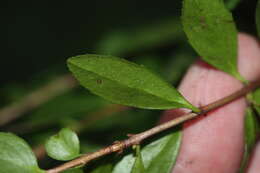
(214, 142)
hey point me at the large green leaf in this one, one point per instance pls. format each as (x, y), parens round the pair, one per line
(126, 83)
(16, 156)
(158, 156)
(257, 17)
(251, 131)
(138, 166)
(63, 146)
(211, 31)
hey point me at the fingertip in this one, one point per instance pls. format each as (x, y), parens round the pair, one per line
(248, 56)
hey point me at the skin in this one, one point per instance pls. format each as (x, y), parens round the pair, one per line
(214, 142)
(254, 166)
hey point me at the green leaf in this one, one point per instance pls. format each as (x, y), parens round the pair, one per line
(138, 166)
(257, 17)
(256, 100)
(16, 156)
(166, 158)
(162, 153)
(251, 130)
(126, 83)
(63, 146)
(231, 4)
(211, 31)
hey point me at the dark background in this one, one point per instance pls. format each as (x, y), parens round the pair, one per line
(40, 35)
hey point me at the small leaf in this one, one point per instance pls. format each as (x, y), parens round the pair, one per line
(162, 153)
(257, 17)
(63, 146)
(232, 4)
(126, 83)
(16, 156)
(251, 130)
(211, 31)
(138, 166)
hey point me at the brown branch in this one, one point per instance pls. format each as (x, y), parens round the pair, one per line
(138, 138)
(36, 98)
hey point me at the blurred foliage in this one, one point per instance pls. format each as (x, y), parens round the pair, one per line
(160, 33)
(42, 35)
(257, 18)
(231, 4)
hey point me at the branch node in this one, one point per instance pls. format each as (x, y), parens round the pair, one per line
(117, 147)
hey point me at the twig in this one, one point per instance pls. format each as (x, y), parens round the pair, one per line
(138, 138)
(36, 98)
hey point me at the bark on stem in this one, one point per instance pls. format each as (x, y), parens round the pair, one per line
(138, 138)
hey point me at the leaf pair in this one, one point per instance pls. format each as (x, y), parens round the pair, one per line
(16, 155)
(211, 31)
